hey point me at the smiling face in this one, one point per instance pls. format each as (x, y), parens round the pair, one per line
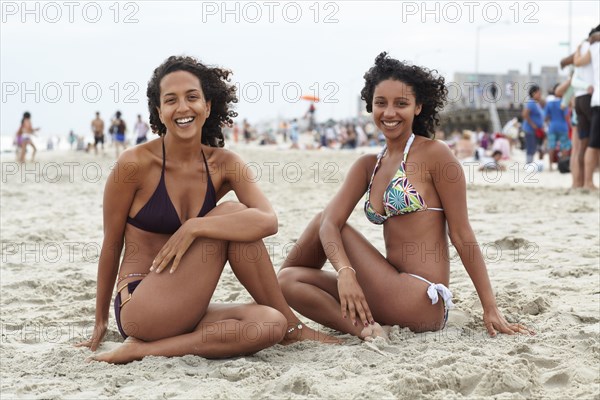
(183, 108)
(394, 108)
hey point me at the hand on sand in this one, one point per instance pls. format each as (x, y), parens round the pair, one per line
(494, 320)
(127, 352)
(375, 330)
(307, 333)
(99, 333)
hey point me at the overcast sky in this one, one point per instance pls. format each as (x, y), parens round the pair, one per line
(62, 61)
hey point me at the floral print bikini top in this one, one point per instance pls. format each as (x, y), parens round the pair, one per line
(400, 197)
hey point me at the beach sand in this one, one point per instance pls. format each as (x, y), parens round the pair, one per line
(540, 241)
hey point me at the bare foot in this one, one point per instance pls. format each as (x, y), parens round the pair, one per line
(306, 333)
(375, 330)
(127, 352)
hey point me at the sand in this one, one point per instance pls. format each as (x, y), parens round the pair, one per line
(541, 243)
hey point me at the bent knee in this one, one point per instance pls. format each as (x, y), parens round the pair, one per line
(273, 323)
(288, 276)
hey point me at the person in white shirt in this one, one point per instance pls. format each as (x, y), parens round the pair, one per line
(501, 144)
(592, 153)
(584, 75)
(141, 129)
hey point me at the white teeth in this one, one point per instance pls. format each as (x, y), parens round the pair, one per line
(390, 124)
(184, 120)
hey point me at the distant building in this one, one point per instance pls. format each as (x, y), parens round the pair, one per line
(470, 90)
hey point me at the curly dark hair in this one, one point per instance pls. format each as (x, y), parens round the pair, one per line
(430, 90)
(217, 90)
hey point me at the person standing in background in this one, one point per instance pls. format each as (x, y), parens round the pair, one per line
(118, 129)
(533, 123)
(26, 133)
(98, 130)
(592, 153)
(141, 129)
(236, 133)
(558, 130)
(581, 82)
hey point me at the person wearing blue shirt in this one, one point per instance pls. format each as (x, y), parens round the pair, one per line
(533, 120)
(558, 129)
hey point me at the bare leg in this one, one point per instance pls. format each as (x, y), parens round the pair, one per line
(576, 171)
(313, 292)
(541, 149)
(251, 264)
(23, 151)
(225, 331)
(583, 144)
(591, 162)
(34, 151)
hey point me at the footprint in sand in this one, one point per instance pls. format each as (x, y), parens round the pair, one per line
(556, 379)
(511, 243)
(542, 362)
(537, 306)
(233, 296)
(298, 385)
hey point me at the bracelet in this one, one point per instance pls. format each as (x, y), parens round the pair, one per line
(339, 270)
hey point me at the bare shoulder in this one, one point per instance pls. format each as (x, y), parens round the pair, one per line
(359, 174)
(135, 162)
(220, 155)
(224, 162)
(436, 150)
(142, 154)
(365, 162)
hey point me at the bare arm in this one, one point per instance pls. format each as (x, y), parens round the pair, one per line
(353, 303)
(566, 61)
(452, 193)
(581, 59)
(526, 117)
(256, 222)
(338, 211)
(562, 88)
(119, 191)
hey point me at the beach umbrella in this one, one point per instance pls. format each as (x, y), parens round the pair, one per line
(309, 97)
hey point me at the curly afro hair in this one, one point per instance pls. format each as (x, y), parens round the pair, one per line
(217, 90)
(430, 90)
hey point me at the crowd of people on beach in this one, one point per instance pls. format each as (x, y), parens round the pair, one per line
(564, 125)
(344, 134)
(113, 134)
(117, 132)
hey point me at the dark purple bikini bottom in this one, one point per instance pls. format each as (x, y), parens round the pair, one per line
(130, 288)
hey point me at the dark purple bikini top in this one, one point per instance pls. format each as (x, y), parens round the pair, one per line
(159, 214)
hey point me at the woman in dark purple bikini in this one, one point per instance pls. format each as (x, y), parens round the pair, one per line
(160, 202)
